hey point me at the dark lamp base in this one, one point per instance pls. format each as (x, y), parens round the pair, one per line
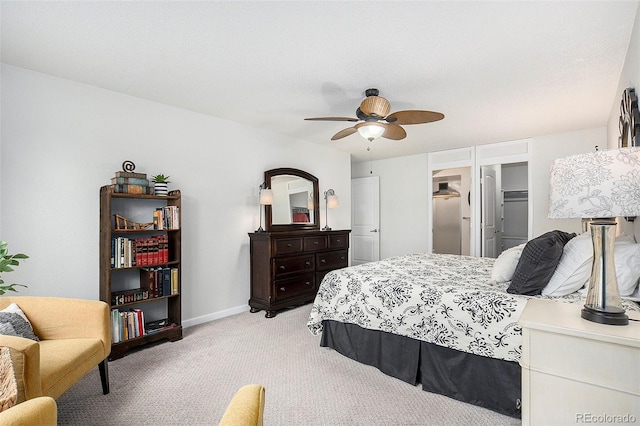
(602, 317)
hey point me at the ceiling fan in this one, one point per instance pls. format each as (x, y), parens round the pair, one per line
(375, 121)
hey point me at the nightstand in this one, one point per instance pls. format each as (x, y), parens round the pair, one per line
(576, 371)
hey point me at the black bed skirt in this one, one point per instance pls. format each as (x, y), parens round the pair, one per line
(486, 382)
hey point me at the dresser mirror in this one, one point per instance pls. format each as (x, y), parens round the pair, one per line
(295, 200)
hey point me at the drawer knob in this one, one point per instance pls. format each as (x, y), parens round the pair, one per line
(289, 245)
(323, 260)
(315, 243)
(307, 263)
(338, 241)
(341, 257)
(282, 268)
(308, 283)
(282, 289)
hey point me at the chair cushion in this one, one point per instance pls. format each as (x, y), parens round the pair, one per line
(63, 362)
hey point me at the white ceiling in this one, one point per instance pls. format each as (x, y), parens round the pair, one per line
(499, 70)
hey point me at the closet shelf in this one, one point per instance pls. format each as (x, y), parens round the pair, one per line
(516, 195)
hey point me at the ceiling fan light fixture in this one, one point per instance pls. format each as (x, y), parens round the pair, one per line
(370, 131)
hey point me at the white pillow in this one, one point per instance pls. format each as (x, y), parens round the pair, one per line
(627, 260)
(574, 268)
(625, 239)
(505, 264)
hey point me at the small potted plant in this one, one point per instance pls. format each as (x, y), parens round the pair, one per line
(160, 182)
(7, 261)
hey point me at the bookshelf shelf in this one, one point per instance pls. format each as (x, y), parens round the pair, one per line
(141, 265)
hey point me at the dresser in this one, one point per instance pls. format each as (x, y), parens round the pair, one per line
(287, 267)
(576, 371)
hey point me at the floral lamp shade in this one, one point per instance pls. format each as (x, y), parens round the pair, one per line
(597, 184)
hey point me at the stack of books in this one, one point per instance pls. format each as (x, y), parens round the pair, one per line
(130, 324)
(131, 183)
(131, 252)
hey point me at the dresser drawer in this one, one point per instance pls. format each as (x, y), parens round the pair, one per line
(287, 245)
(338, 241)
(293, 264)
(315, 243)
(332, 260)
(289, 288)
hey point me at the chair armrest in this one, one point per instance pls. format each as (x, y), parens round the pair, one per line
(246, 407)
(39, 411)
(25, 355)
(56, 318)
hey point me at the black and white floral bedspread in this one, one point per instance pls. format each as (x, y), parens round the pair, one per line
(442, 299)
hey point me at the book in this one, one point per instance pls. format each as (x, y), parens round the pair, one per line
(166, 281)
(129, 296)
(131, 326)
(157, 219)
(140, 315)
(129, 181)
(115, 326)
(174, 281)
(134, 175)
(159, 325)
(132, 189)
(163, 241)
(148, 281)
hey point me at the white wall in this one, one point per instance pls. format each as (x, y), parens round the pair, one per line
(629, 77)
(404, 192)
(62, 140)
(543, 151)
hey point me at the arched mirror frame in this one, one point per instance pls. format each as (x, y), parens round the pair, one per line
(268, 175)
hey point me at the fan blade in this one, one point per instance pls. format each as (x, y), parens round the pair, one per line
(375, 105)
(332, 119)
(393, 132)
(342, 133)
(414, 117)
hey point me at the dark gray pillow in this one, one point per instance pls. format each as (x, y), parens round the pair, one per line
(538, 262)
(14, 325)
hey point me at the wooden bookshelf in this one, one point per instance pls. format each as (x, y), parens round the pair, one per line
(119, 277)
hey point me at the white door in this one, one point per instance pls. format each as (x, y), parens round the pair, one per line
(365, 220)
(488, 227)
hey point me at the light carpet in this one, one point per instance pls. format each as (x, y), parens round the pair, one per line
(190, 382)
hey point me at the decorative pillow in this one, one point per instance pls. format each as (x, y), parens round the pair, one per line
(505, 264)
(537, 263)
(574, 269)
(627, 261)
(8, 382)
(13, 322)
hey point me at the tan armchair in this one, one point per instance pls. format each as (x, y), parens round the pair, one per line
(41, 411)
(246, 407)
(75, 336)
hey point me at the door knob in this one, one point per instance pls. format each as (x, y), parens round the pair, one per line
(374, 230)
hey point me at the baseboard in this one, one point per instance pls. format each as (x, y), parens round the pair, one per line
(214, 316)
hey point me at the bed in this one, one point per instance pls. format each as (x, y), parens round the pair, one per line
(434, 319)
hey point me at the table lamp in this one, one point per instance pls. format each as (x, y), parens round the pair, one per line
(266, 199)
(330, 202)
(601, 186)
